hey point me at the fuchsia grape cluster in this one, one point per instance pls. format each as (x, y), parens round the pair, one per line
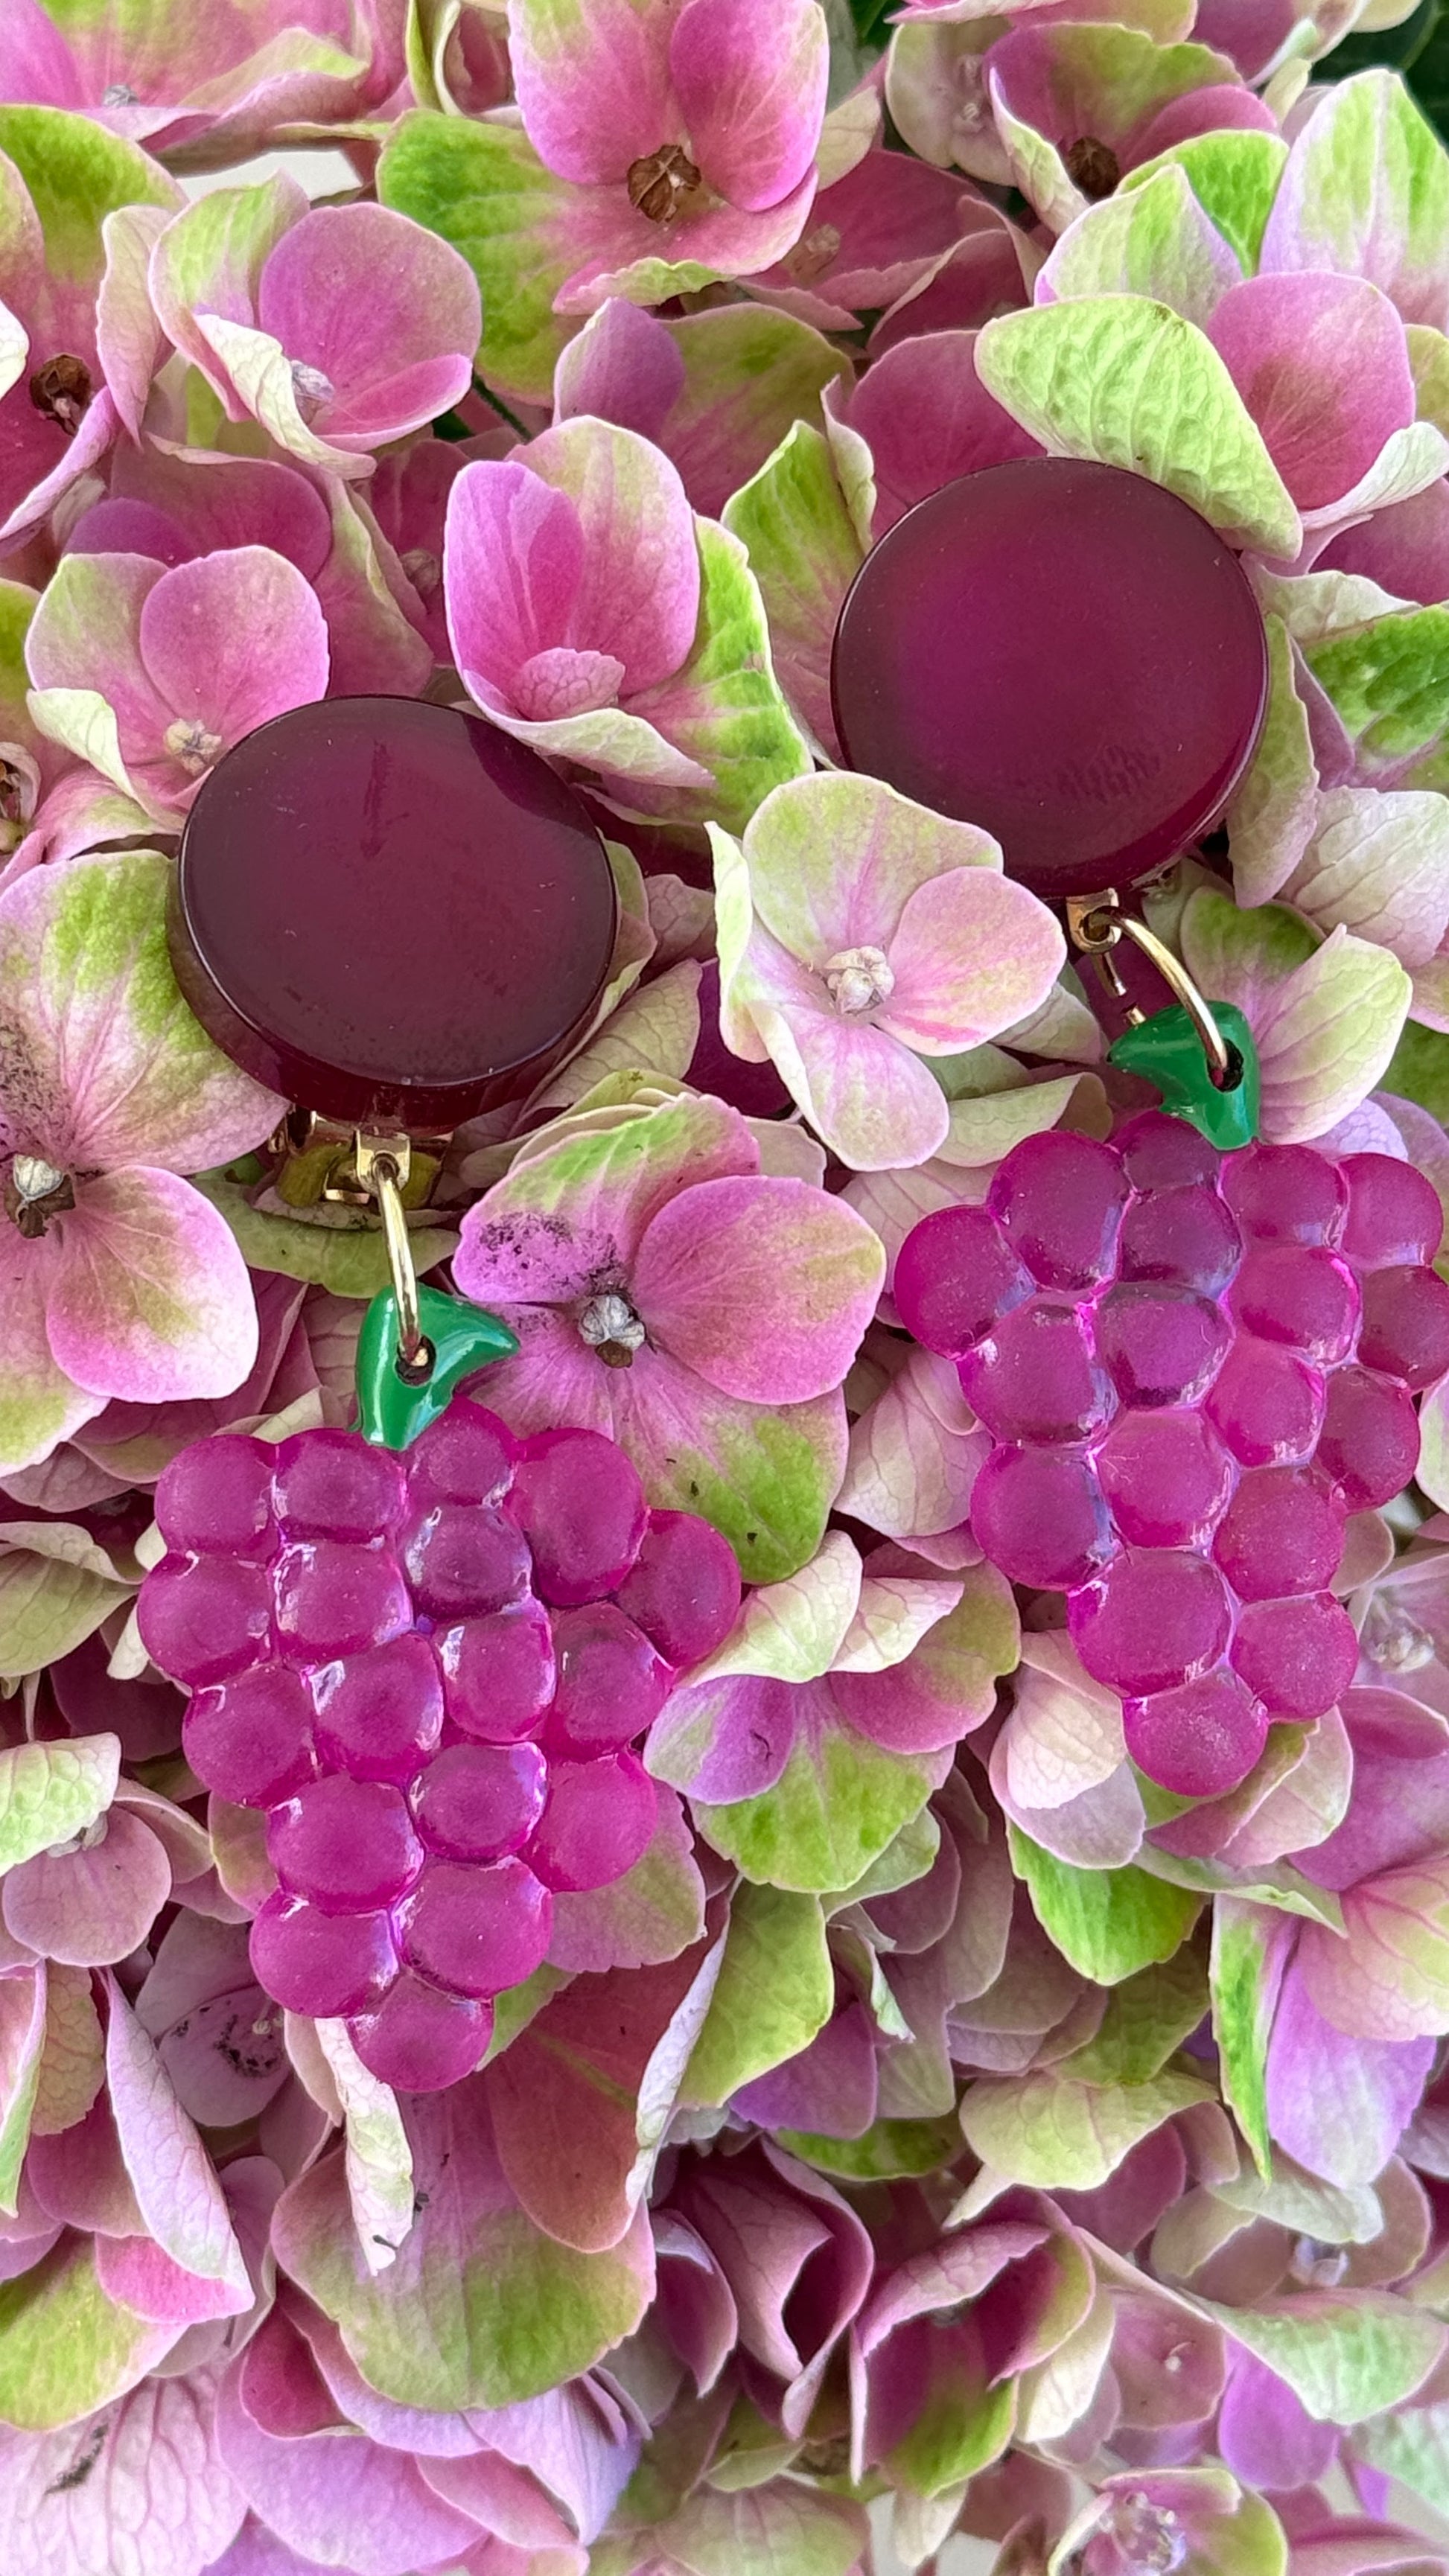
(1194, 1366)
(430, 1670)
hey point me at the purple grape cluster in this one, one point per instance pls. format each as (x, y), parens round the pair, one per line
(1193, 1367)
(430, 1670)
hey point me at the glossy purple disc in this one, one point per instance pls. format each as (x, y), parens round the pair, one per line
(384, 906)
(1063, 653)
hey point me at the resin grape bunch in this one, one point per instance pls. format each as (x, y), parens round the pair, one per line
(430, 1669)
(1193, 1367)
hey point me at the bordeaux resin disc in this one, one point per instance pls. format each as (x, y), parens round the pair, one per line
(1062, 653)
(384, 906)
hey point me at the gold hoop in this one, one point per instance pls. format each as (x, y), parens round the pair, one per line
(1096, 923)
(382, 1170)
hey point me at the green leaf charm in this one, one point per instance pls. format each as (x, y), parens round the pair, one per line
(464, 1339)
(1168, 1051)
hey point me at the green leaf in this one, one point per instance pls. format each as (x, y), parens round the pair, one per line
(1344, 2353)
(776, 1989)
(49, 1792)
(480, 2308)
(1047, 2130)
(1131, 383)
(349, 1260)
(1234, 176)
(65, 2347)
(1248, 1957)
(889, 2151)
(804, 553)
(1108, 1922)
(1147, 2018)
(484, 189)
(836, 1806)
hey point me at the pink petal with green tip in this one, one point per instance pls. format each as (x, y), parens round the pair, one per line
(623, 366)
(151, 1297)
(868, 1097)
(210, 260)
(620, 252)
(972, 955)
(39, 1404)
(198, 631)
(592, 83)
(750, 76)
(116, 1066)
(1322, 365)
(387, 314)
(1338, 2105)
(764, 1287)
(130, 342)
(1366, 193)
(638, 594)
(927, 417)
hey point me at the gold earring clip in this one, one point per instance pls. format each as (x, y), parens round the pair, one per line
(383, 1165)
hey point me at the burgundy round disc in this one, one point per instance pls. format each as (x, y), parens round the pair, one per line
(382, 906)
(1062, 653)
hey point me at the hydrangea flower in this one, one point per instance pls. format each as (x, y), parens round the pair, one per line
(860, 934)
(120, 1279)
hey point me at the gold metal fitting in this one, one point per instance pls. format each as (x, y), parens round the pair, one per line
(1096, 922)
(383, 1164)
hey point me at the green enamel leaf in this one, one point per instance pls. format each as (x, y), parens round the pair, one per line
(1234, 175)
(484, 189)
(349, 1260)
(48, 1792)
(1247, 1957)
(1047, 2130)
(1108, 1922)
(724, 708)
(837, 1805)
(889, 2151)
(1344, 2353)
(804, 553)
(1133, 384)
(1147, 2017)
(65, 2348)
(776, 1989)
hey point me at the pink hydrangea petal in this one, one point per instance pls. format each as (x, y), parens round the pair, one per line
(973, 953)
(619, 250)
(215, 501)
(1213, 109)
(1322, 364)
(1338, 2105)
(638, 591)
(623, 366)
(198, 641)
(40, 1405)
(513, 561)
(763, 1286)
(750, 76)
(927, 417)
(868, 1097)
(135, 2270)
(151, 1297)
(93, 1906)
(375, 304)
(592, 83)
(86, 634)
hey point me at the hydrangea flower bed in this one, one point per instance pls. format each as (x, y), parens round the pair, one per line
(823, 1918)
